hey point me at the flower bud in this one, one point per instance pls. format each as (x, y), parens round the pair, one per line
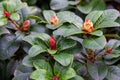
(55, 20)
(26, 25)
(55, 78)
(7, 14)
(109, 50)
(88, 26)
(52, 43)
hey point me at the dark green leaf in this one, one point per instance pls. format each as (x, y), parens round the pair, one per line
(67, 30)
(9, 45)
(65, 16)
(70, 73)
(64, 59)
(77, 78)
(24, 76)
(93, 5)
(95, 43)
(58, 4)
(36, 50)
(66, 44)
(3, 31)
(42, 64)
(40, 74)
(113, 73)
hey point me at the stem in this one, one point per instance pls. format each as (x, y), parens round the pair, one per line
(112, 35)
(16, 25)
(100, 57)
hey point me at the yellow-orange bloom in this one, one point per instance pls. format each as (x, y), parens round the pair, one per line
(54, 20)
(88, 26)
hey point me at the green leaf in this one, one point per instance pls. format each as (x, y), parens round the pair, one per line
(35, 18)
(37, 39)
(9, 45)
(28, 61)
(58, 4)
(93, 5)
(36, 50)
(93, 71)
(13, 6)
(3, 31)
(66, 44)
(3, 21)
(95, 42)
(58, 68)
(42, 64)
(94, 16)
(44, 37)
(64, 58)
(9, 6)
(23, 76)
(113, 73)
(51, 51)
(15, 16)
(31, 39)
(77, 78)
(70, 73)
(67, 30)
(97, 33)
(48, 15)
(97, 72)
(40, 74)
(65, 16)
(102, 70)
(103, 19)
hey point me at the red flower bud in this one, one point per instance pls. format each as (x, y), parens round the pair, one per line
(55, 78)
(26, 25)
(52, 43)
(7, 14)
(109, 50)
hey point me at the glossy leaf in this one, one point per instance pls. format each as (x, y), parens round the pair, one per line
(97, 72)
(64, 58)
(94, 43)
(70, 73)
(93, 5)
(42, 64)
(66, 44)
(103, 19)
(76, 20)
(15, 16)
(77, 78)
(24, 76)
(40, 74)
(3, 31)
(113, 73)
(67, 30)
(97, 33)
(58, 4)
(36, 50)
(9, 46)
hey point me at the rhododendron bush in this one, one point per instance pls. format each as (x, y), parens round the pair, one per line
(59, 40)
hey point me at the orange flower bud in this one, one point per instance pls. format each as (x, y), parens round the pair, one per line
(26, 25)
(109, 50)
(88, 26)
(52, 43)
(7, 14)
(55, 20)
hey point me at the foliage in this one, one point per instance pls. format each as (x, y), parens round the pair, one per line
(67, 40)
